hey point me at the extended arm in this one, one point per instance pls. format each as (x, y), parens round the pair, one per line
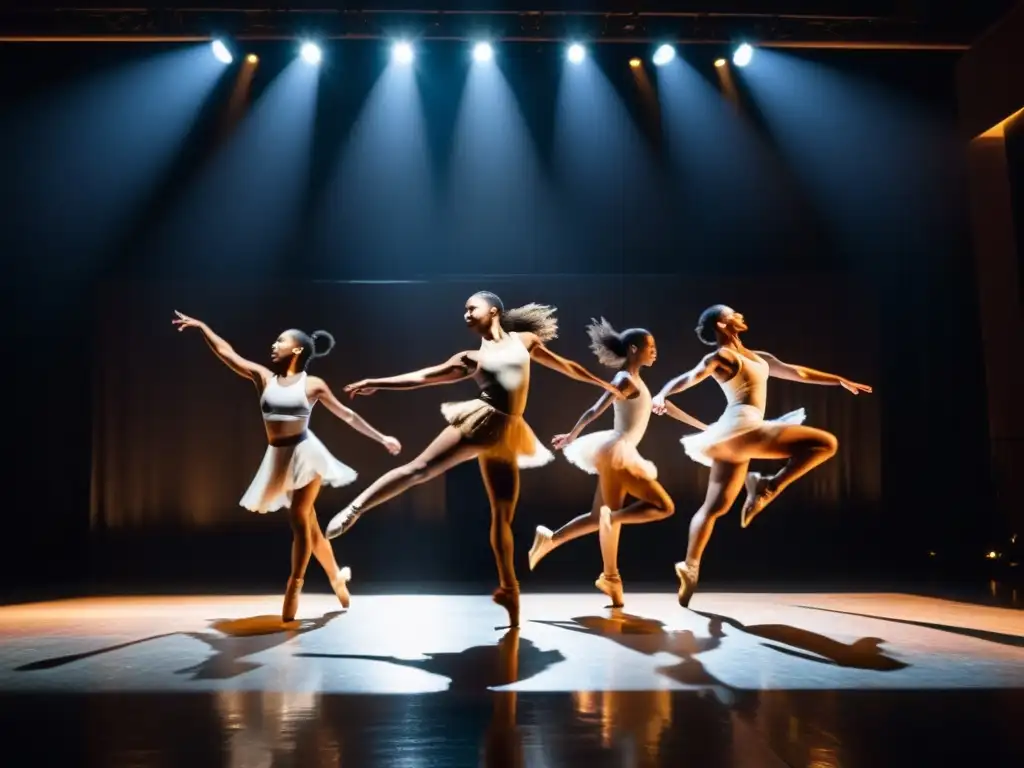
(621, 383)
(680, 415)
(691, 378)
(781, 370)
(456, 368)
(569, 368)
(225, 351)
(323, 393)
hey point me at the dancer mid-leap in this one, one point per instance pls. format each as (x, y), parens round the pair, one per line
(296, 463)
(490, 428)
(612, 455)
(742, 433)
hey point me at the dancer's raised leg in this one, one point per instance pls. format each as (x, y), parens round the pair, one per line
(447, 450)
(804, 447)
(501, 478)
(302, 545)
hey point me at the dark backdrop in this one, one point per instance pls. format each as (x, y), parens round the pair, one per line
(832, 215)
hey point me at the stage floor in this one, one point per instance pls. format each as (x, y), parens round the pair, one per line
(741, 679)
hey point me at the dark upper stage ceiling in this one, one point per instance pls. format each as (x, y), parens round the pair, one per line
(812, 23)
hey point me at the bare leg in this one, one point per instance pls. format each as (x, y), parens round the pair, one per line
(544, 541)
(653, 504)
(501, 478)
(324, 554)
(804, 447)
(723, 487)
(302, 545)
(613, 490)
(447, 450)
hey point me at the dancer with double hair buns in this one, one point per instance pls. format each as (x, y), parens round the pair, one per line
(296, 463)
(612, 455)
(742, 433)
(489, 428)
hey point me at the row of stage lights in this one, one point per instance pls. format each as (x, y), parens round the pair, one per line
(403, 53)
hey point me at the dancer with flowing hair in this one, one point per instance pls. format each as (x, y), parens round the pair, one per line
(742, 433)
(612, 455)
(490, 428)
(296, 463)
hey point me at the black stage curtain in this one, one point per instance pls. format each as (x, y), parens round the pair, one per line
(177, 436)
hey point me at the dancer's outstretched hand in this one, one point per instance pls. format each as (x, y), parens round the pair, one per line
(854, 388)
(658, 406)
(183, 321)
(558, 442)
(359, 388)
(394, 447)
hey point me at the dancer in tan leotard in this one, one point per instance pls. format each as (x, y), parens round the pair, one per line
(490, 428)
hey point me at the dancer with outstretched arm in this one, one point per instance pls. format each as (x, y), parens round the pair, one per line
(489, 428)
(612, 455)
(296, 463)
(742, 433)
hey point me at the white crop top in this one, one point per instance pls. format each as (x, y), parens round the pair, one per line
(285, 403)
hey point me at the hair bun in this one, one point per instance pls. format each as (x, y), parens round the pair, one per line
(323, 342)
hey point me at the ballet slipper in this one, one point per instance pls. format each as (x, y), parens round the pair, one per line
(508, 598)
(542, 544)
(291, 600)
(340, 586)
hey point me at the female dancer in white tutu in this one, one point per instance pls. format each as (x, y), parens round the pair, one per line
(296, 463)
(612, 455)
(742, 434)
(489, 428)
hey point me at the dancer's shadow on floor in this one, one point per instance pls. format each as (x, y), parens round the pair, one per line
(473, 669)
(865, 653)
(649, 636)
(233, 640)
(238, 638)
(1001, 638)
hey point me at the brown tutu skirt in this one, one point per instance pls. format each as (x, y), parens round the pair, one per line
(497, 432)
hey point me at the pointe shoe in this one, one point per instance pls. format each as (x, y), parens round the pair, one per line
(291, 600)
(759, 495)
(687, 583)
(508, 598)
(340, 586)
(342, 522)
(542, 544)
(611, 586)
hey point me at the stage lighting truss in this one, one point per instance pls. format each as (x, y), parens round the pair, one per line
(502, 27)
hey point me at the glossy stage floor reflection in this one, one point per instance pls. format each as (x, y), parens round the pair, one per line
(743, 679)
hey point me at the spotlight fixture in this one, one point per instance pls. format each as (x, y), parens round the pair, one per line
(634, 63)
(743, 55)
(719, 63)
(664, 55)
(221, 52)
(402, 52)
(311, 53)
(483, 52)
(576, 53)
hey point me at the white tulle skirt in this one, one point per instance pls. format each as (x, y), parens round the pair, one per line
(285, 469)
(737, 420)
(608, 450)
